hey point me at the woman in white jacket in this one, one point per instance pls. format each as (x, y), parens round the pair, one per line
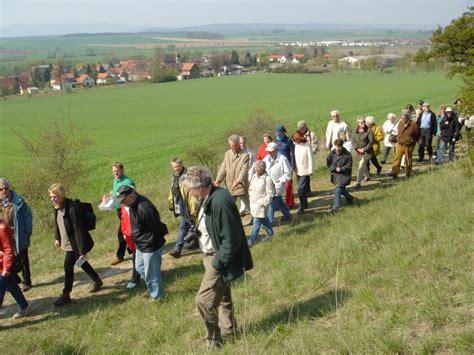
(261, 192)
(390, 129)
(304, 168)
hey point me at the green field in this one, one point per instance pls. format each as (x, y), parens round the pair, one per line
(392, 274)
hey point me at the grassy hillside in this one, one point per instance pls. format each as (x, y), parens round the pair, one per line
(391, 274)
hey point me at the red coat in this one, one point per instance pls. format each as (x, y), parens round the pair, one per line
(262, 153)
(7, 247)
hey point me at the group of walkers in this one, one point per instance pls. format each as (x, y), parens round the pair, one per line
(208, 214)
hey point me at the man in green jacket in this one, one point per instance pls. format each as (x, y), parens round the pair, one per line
(226, 254)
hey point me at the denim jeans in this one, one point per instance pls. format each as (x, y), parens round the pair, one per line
(277, 202)
(257, 223)
(183, 229)
(341, 190)
(149, 267)
(9, 283)
(442, 148)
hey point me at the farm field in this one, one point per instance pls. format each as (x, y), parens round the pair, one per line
(384, 276)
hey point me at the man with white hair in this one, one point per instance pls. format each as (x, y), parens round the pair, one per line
(279, 171)
(234, 171)
(227, 256)
(335, 126)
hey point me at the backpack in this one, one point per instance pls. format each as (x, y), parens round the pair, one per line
(87, 213)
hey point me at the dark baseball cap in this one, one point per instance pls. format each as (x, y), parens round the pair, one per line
(123, 191)
(280, 129)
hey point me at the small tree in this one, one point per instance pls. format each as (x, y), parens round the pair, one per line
(55, 154)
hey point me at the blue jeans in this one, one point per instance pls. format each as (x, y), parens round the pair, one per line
(9, 283)
(257, 223)
(183, 229)
(341, 190)
(149, 267)
(442, 148)
(277, 202)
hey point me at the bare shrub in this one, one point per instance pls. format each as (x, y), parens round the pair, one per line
(55, 154)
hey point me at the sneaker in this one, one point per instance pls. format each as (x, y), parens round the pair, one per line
(117, 260)
(334, 210)
(300, 211)
(62, 300)
(357, 186)
(96, 285)
(132, 284)
(285, 218)
(175, 253)
(379, 170)
(250, 243)
(22, 313)
(267, 238)
(25, 287)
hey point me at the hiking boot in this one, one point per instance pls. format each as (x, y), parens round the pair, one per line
(22, 312)
(62, 300)
(379, 170)
(25, 287)
(175, 253)
(117, 260)
(96, 285)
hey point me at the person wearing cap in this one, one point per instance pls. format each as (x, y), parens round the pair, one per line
(279, 171)
(244, 207)
(17, 214)
(148, 234)
(261, 192)
(226, 254)
(120, 179)
(234, 171)
(181, 204)
(449, 135)
(339, 162)
(427, 125)
(407, 135)
(286, 147)
(335, 126)
(71, 236)
(304, 160)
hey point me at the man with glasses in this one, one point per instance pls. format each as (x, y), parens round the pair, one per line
(17, 214)
(335, 126)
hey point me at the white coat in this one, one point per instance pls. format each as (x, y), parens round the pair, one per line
(389, 127)
(303, 159)
(261, 192)
(279, 171)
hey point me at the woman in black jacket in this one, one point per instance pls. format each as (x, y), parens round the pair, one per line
(339, 163)
(72, 237)
(362, 141)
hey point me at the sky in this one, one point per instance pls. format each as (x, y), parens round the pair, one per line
(129, 15)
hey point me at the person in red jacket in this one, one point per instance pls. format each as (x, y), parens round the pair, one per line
(262, 153)
(7, 278)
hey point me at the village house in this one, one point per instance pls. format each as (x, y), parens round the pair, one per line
(297, 58)
(14, 84)
(104, 79)
(85, 81)
(278, 58)
(63, 84)
(189, 71)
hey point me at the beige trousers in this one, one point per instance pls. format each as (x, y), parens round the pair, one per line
(214, 302)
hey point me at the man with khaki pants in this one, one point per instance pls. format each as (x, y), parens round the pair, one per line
(226, 254)
(408, 134)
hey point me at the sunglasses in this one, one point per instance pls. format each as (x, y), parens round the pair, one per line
(336, 116)
(4, 189)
